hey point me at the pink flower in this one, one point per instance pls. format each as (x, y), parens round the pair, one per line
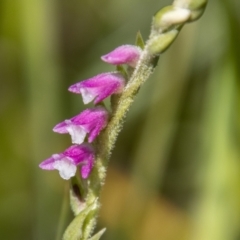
(66, 163)
(99, 87)
(126, 54)
(90, 121)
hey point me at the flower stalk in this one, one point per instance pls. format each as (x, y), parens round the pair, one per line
(121, 86)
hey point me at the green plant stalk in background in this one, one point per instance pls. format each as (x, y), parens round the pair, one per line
(165, 27)
(40, 42)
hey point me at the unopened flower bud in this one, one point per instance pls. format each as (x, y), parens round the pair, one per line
(168, 17)
(126, 54)
(195, 7)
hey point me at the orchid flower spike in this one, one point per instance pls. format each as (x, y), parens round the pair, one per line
(66, 163)
(99, 87)
(90, 121)
(126, 54)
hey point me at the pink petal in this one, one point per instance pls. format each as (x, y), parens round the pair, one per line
(79, 153)
(114, 88)
(87, 168)
(48, 164)
(61, 128)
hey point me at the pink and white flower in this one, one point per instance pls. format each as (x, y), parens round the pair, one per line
(90, 121)
(66, 163)
(125, 54)
(99, 87)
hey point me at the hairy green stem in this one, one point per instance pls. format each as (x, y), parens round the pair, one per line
(108, 138)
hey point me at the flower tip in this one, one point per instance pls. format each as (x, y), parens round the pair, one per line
(74, 88)
(41, 165)
(55, 129)
(106, 58)
(47, 164)
(60, 128)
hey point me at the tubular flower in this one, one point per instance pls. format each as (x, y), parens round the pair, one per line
(90, 121)
(66, 163)
(126, 54)
(99, 87)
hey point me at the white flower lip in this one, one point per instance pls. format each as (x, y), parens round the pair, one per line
(65, 167)
(87, 95)
(77, 133)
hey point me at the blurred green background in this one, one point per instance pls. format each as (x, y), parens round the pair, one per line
(175, 171)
